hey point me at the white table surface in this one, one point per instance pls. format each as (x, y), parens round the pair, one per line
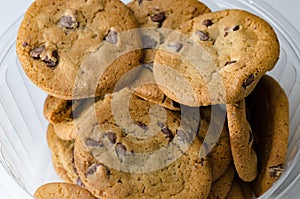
(11, 9)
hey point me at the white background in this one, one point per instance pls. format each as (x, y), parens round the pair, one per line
(12, 9)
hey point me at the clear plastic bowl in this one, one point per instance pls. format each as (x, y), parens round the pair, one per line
(23, 148)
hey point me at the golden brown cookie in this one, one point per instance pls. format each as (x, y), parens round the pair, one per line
(78, 49)
(215, 58)
(62, 157)
(149, 153)
(60, 190)
(241, 141)
(64, 114)
(269, 117)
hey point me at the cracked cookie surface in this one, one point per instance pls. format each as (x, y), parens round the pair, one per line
(76, 49)
(222, 56)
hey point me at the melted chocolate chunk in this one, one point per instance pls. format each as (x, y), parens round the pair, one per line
(94, 143)
(158, 17)
(207, 22)
(167, 132)
(68, 22)
(121, 152)
(203, 36)
(236, 28)
(35, 53)
(142, 126)
(111, 136)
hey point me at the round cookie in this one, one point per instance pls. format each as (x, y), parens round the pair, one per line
(62, 156)
(149, 152)
(166, 14)
(76, 49)
(215, 136)
(221, 187)
(241, 141)
(269, 117)
(61, 190)
(215, 58)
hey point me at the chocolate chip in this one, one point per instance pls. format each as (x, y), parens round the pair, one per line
(49, 62)
(236, 28)
(112, 37)
(207, 22)
(248, 82)
(35, 53)
(142, 126)
(167, 132)
(184, 136)
(203, 36)
(158, 17)
(276, 171)
(68, 22)
(175, 47)
(121, 151)
(148, 42)
(226, 34)
(230, 62)
(92, 169)
(111, 136)
(25, 44)
(94, 143)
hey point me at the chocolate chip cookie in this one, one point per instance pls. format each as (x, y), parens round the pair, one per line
(62, 190)
(241, 141)
(216, 58)
(147, 152)
(78, 49)
(62, 156)
(269, 117)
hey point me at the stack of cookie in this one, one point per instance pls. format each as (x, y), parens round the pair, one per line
(137, 94)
